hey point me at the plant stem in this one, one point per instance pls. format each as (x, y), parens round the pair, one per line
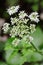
(36, 49)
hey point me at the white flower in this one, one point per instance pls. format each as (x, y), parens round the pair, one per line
(22, 14)
(34, 17)
(21, 21)
(19, 30)
(32, 28)
(6, 27)
(15, 42)
(14, 20)
(26, 20)
(14, 31)
(13, 10)
(30, 38)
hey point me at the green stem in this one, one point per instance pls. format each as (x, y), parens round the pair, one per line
(36, 49)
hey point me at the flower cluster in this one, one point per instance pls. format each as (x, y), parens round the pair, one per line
(21, 27)
(34, 17)
(13, 10)
(6, 27)
(16, 42)
(22, 14)
(32, 28)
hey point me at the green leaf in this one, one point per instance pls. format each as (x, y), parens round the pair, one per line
(8, 44)
(38, 37)
(27, 53)
(24, 44)
(32, 56)
(14, 58)
(11, 54)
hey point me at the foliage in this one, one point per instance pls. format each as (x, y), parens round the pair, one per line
(38, 37)
(23, 52)
(14, 56)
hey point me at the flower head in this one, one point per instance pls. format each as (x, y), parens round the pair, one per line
(32, 27)
(14, 20)
(6, 27)
(22, 14)
(14, 31)
(13, 10)
(34, 17)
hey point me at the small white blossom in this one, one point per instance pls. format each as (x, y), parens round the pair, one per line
(24, 30)
(22, 14)
(23, 21)
(30, 38)
(14, 20)
(13, 10)
(34, 17)
(6, 27)
(14, 31)
(26, 20)
(32, 27)
(15, 42)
